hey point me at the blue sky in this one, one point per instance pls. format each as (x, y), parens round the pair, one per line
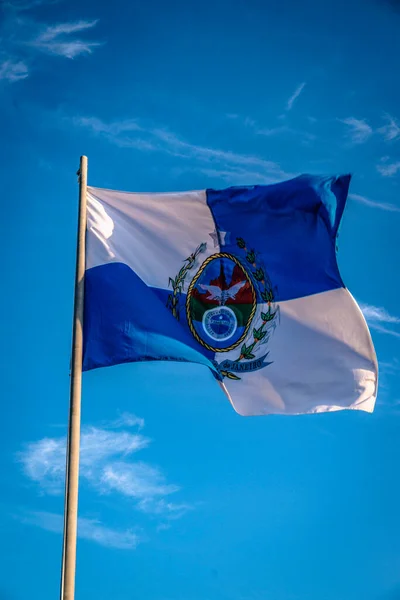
(180, 498)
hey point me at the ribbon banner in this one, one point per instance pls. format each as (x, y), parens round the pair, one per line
(232, 366)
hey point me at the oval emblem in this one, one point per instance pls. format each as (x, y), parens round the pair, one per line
(221, 303)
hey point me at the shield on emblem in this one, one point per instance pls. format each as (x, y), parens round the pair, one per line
(221, 303)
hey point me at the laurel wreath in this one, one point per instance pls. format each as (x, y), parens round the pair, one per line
(267, 320)
(179, 281)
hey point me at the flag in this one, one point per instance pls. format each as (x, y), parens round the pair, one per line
(243, 280)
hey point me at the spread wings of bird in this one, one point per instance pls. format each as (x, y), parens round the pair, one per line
(215, 292)
(233, 290)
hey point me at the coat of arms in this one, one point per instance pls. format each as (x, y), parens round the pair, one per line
(230, 303)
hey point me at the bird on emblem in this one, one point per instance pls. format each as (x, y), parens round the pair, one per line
(216, 293)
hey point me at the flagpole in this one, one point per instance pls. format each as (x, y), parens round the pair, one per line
(72, 463)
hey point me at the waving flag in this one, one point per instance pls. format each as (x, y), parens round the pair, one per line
(242, 280)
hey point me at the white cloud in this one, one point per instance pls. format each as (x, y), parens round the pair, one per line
(385, 330)
(245, 121)
(250, 123)
(274, 131)
(390, 368)
(284, 129)
(391, 131)
(181, 149)
(18, 33)
(389, 169)
(54, 31)
(239, 176)
(118, 132)
(13, 70)
(99, 444)
(378, 318)
(127, 419)
(295, 95)
(376, 314)
(44, 461)
(137, 480)
(360, 131)
(113, 129)
(104, 466)
(373, 204)
(88, 529)
(160, 140)
(70, 49)
(56, 39)
(164, 508)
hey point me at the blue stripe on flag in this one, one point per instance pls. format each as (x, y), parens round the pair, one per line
(127, 321)
(292, 226)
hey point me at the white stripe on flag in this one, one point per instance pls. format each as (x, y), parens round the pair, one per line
(322, 359)
(151, 233)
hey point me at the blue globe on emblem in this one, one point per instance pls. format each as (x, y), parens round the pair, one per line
(220, 323)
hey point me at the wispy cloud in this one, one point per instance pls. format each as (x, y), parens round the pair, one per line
(146, 484)
(127, 419)
(277, 130)
(391, 131)
(13, 70)
(56, 39)
(88, 529)
(295, 95)
(379, 318)
(387, 169)
(53, 31)
(70, 49)
(285, 129)
(360, 130)
(272, 131)
(163, 507)
(114, 131)
(376, 314)
(172, 144)
(137, 480)
(157, 139)
(105, 466)
(390, 368)
(386, 206)
(232, 175)
(44, 461)
(385, 330)
(246, 121)
(19, 34)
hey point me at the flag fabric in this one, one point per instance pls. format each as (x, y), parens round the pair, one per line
(243, 280)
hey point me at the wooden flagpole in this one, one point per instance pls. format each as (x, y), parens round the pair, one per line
(74, 429)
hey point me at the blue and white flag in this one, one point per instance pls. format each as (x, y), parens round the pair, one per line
(243, 280)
